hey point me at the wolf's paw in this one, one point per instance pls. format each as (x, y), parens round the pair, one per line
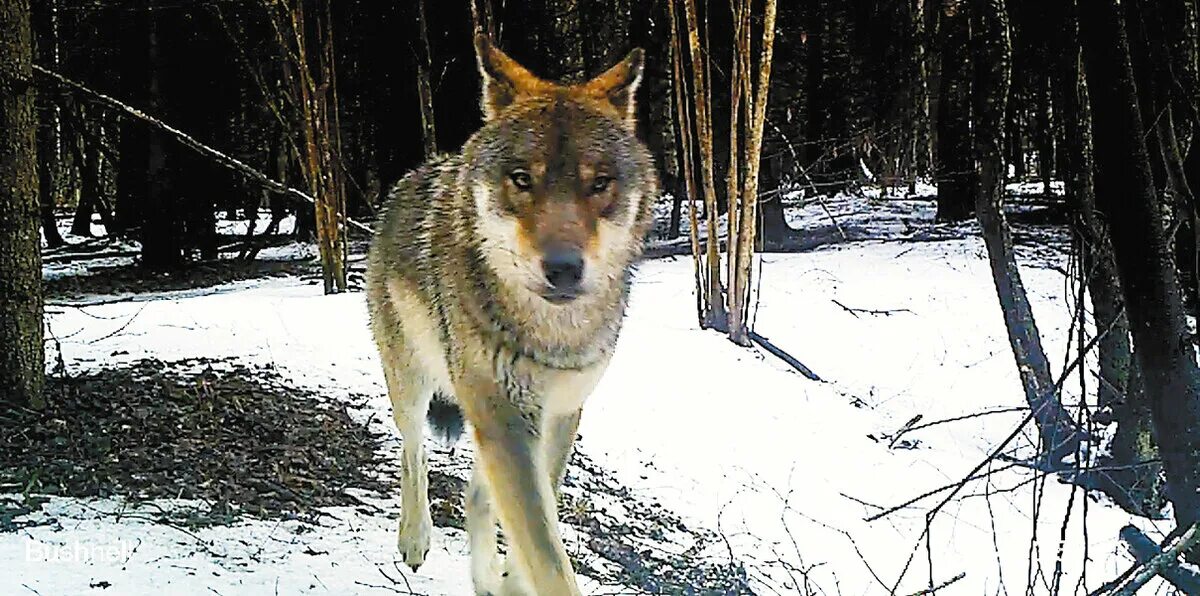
(486, 578)
(485, 574)
(414, 540)
(510, 585)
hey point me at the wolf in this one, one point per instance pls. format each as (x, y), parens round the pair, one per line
(496, 284)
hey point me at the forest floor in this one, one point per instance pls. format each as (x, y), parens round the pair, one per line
(229, 433)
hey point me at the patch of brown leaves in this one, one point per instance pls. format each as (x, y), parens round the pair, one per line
(233, 436)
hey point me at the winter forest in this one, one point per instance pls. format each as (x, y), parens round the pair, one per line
(916, 312)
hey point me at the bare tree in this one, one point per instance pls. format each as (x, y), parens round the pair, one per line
(742, 236)
(714, 300)
(1133, 454)
(424, 86)
(956, 177)
(992, 60)
(306, 49)
(1126, 194)
(683, 121)
(22, 359)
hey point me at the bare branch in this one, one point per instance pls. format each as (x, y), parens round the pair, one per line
(190, 142)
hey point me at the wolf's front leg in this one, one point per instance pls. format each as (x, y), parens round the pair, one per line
(410, 402)
(519, 485)
(481, 528)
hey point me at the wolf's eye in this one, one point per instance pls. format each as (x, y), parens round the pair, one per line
(601, 184)
(521, 179)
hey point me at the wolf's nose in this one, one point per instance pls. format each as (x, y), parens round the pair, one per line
(563, 267)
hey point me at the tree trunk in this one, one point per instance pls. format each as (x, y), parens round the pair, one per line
(1044, 134)
(318, 106)
(47, 139)
(162, 236)
(22, 365)
(992, 56)
(921, 158)
(87, 154)
(48, 146)
(1126, 194)
(773, 230)
(686, 148)
(1133, 476)
(424, 87)
(134, 141)
(956, 178)
(739, 333)
(733, 182)
(841, 97)
(714, 311)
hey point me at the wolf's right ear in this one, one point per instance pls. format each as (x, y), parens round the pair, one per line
(503, 79)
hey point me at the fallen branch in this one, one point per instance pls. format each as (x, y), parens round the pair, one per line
(1152, 561)
(784, 356)
(190, 142)
(871, 311)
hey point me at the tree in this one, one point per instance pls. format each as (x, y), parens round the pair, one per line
(1131, 461)
(743, 202)
(22, 359)
(48, 140)
(306, 51)
(956, 181)
(714, 313)
(992, 61)
(424, 86)
(1126, 195)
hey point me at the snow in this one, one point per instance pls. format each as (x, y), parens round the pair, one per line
(748, 434)
(104, 542)
(785, 468)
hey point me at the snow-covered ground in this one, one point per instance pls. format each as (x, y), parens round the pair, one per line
(784, 468)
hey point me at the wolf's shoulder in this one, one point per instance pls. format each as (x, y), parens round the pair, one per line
(427, 178)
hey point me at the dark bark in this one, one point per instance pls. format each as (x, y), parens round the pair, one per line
(1044, 135)
(134, 142)
(992, 59)
(1126, 195)
(956, 177)
(47, 201)
(22, 359)
(1132, 478)
(86, 152)
(47, 135)
(161, 233)
(773, 230)
(839, 102)
(1014, 141)
(424, 86)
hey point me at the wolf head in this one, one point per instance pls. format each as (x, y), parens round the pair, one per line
(561, 184)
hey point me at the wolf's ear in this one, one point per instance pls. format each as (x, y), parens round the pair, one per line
(503, 79)
(619, 84)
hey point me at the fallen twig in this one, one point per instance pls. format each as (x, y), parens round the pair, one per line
(934, 589)
(871, 311)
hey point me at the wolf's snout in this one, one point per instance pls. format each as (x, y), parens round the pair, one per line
(564, 271)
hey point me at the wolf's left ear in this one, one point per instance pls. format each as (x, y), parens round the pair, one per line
(619, 84)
